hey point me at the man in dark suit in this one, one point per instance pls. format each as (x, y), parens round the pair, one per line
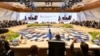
(84, 49)
(6, 47)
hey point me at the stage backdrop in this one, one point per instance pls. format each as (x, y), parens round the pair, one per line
(48, 17)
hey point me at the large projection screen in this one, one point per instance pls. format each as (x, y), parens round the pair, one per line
(48, 17)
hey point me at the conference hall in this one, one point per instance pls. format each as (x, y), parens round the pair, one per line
(49, 27)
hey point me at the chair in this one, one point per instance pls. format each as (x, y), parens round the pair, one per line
(5, 49)
(56, 48)
(9, 53)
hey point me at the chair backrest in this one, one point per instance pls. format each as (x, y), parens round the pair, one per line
(56, 48)
(5, 51)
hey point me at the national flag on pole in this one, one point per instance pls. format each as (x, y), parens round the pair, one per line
(65, 17)
(62, 20)
(50, 34)
(31, 17)
(59, 18)
(25, 18)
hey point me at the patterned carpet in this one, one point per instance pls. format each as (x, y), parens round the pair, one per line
(42, 35)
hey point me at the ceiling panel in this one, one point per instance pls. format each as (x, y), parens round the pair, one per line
(56, 6)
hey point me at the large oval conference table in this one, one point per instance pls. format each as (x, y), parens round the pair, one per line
(24, 49)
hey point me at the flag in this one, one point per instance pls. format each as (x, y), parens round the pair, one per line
(31, 17)
(25, 18)
(59, 18)
(49, 34)
(64, 17)
(62, 20)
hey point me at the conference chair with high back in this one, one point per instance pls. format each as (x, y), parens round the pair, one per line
(56, 48)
